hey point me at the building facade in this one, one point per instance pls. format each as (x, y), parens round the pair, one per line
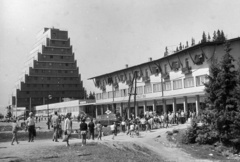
(75, 107)
(50, 73)
(172, 83)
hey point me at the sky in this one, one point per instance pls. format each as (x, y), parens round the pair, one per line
(107, 34)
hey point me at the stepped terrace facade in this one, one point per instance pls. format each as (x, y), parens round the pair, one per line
(172, 83)
(50, 73)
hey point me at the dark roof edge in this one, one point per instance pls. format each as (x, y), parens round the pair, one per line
(174, 54)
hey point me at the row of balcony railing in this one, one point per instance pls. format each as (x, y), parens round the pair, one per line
(155, 87)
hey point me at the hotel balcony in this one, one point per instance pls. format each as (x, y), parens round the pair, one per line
(187, 70)
(165, 75)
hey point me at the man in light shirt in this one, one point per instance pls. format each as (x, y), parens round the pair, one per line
(31, 127)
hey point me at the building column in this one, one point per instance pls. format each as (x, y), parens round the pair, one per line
(136, 110)
(174, 105)
(121, 109)
(154, 105)
(43, 100)
(164, 106)
(197, 104)
(96, 108)
(144, 107)
(101, 109)
(128, 112)
(185, 104)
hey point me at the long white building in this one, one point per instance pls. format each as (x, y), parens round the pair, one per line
(171, 83)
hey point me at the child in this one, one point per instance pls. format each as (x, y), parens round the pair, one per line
(15, 128)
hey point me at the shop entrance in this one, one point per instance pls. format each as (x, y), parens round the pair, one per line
(159, 109)
(149, 108)
(140, 111)
(169, 108)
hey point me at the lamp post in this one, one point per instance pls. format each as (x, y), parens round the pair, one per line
(49, 98)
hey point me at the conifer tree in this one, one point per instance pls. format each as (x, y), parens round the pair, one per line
(193, 41)
(204, 38)
(214, 36)
(177, 49)
(180, 46)
(222, 36)
(220, 90)
(166, 51)
(209, 38)
(218, 35)
(186, 45)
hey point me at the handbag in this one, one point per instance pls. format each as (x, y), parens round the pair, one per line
(65, 138)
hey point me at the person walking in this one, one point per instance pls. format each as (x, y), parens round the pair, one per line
(55, 125)
(31, 127)
(67, 128)
(15, 128)
(123, 123)
(99, 129)
(91, 127)
(113, 129)
(83, 131)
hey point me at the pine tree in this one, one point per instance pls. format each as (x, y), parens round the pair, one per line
(180, 46)
(186, 45)
(177, 49)
(193, 41)
(222, 36)
(204, 38)
(166, 51)
(218, 35)
(214, 36)
(223, 114)
(209, 38)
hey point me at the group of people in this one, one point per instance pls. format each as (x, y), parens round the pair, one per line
(131, 126)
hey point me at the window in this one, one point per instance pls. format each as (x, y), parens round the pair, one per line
(61, 57)
(71, 71)
(48, 78)
(201, 79)
(110, 94)
(36, 70)
(59, 71)
(167, 86)
(51, 56)
(44, 56)
(66, 64)
(148, 88)
(47, 85)
(177, 84)
(50, 64)
(66, 71)
(35, 78)
(188, 82)
(53, 42)
(140, 90)
(157, 87)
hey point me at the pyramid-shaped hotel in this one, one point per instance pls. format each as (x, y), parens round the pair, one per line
(51, 73)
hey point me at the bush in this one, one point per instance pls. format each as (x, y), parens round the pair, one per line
(191, 134)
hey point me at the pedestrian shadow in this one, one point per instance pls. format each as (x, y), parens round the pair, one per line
(2, 147)
(85, 154)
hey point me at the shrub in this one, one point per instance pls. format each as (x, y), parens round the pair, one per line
(191, 134)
